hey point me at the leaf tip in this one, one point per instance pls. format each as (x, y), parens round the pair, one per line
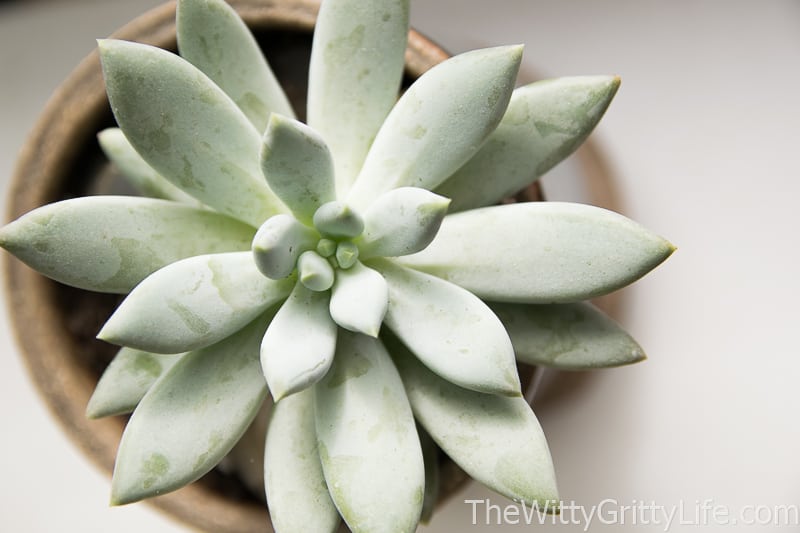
(93, 412)
(5, 236)
(110, 332)
(118, 495)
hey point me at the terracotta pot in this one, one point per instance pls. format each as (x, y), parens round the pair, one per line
(56, 325)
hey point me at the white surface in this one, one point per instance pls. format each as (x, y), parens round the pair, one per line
(703, 137)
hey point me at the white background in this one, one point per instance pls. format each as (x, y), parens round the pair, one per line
(703, 138)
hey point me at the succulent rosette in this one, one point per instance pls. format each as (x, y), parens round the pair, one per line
(356, 267)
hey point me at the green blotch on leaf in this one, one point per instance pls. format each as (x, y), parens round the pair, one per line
(155, 467)
(146, 365)
(356, 367)
(192, 320)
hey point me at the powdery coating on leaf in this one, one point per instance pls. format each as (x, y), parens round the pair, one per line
(187, 129)
(450, 330)
(191, 417)
(354, 76)
(361, 413)
(567, 336)
(359, 299)
(439, 123)
(298, 347)
(495, 439)
(213, 38)
(193, 303)
(297, 494)
(540, 252)
(402, 221)
(126, 238)
(126, 380)
(543, 124)
(298, 166)
(136, 170)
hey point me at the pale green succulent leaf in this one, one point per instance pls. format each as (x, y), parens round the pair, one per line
(430, 456)
(279, 243)
(401, 222)
(297, 495)
(368, 443)
(359, 299)
(450, 330)
(337, 219)
(439, 123)
(314, 271)
(298, 166)
(127, 239)
(544, 123)
(191, 417)
(136, 170)
(193, 303)
(126, 380)
(213, 37)
(495, 439)
(187, 129)
(574, 336)
(354, 76)
(540, 252)
(298, 348)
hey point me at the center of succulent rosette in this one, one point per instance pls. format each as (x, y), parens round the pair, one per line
(284, 245)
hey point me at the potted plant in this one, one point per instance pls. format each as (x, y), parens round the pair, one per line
(356, 267)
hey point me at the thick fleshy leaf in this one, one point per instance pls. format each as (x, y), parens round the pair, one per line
(126, 380)
(298, 347)
(568, 336)
(354, 76)
(111, 243)
(439, 123)
(450, 330)
(141, 175)
(297, 495)
(540, 252)
(402, 221)
(544, 123)
(337, 219)
(359, 299)
(298, 166)
(193, 303)
(368, 442)
(315, 272)
(191, 417)
(187, 129)
(495, 439)
(278, 244)
(213, 38)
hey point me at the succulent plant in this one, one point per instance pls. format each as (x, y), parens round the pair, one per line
(357, 267)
